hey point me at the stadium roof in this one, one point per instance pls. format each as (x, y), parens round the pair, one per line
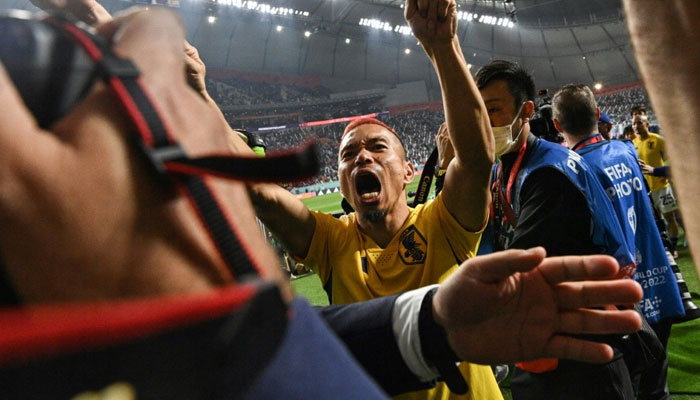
(559, 41)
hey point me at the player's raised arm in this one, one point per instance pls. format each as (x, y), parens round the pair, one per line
(466, 194)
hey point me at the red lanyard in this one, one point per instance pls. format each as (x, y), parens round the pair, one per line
(506, 199)
(590, 140)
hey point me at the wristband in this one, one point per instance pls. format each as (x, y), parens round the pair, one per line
(436, 350)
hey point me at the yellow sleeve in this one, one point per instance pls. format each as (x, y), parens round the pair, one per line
(318, 256)
(462, 242)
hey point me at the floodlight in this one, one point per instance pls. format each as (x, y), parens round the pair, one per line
(279, 28)
(407, 51)
(598, 86)
(307, 33)
(347, 40)
(211, 19)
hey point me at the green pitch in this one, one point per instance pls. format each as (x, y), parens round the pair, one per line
(330, 203)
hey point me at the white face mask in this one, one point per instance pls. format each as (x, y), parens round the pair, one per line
(503, 136)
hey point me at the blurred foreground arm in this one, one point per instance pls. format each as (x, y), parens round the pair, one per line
(668, 54)
(83, 219)
(89, 11)
(492, 310)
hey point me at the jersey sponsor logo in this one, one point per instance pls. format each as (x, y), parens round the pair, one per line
(651, 145)
(412, 246)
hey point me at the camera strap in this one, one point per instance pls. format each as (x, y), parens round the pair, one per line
(171, 164)
(426, 179)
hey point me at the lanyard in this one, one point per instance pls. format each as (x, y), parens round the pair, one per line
(504, 200)
(589, 140)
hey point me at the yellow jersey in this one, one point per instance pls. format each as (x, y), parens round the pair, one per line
(429, 246)
(651, 150)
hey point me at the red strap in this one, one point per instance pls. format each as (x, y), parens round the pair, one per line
(590, 140)
(32, 331)
(539, 366)
(504, 201)
(514, 171)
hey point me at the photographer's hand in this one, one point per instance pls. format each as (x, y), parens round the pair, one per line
(82, 217)
(445, 150)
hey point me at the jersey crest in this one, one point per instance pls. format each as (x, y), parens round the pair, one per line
(412, 246)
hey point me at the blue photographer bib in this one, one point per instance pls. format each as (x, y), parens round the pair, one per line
(606, 232)
(616, 166)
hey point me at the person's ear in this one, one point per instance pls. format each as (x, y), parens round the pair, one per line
(528, 110)
(410, 173)
(558, 126)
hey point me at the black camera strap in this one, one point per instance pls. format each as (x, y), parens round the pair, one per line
(171, 164)
(426, 179)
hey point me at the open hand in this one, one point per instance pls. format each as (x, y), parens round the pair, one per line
(519, 305)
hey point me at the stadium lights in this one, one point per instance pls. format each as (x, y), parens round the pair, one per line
(598, 86)
(278, 28)
(211, 19)
(384, 26)
(407, 51)
(465, 16)
(485, 19)
(263, 8)
(404, 30)
(307, 33)
(375, 24)
(347, 40)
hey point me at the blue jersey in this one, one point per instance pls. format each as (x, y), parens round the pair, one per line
(605, 230)
(616, 166)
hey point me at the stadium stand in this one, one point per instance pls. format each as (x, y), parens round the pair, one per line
(617, 102)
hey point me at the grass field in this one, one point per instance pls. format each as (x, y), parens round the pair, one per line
(684, 344)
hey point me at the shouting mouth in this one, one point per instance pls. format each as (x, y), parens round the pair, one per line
(368, 187)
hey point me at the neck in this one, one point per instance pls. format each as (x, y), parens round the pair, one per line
(572, 139)
(644, 134)
(385, 229)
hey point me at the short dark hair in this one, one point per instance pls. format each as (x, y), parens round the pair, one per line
(575, 108)
(519, 81)
(638, 109)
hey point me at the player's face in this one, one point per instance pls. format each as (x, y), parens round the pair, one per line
(640, 124)
(373, 170)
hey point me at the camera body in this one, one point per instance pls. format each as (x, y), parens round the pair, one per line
(50, 71)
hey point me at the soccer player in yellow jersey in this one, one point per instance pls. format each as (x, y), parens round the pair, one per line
(650, 149)
(385, 246)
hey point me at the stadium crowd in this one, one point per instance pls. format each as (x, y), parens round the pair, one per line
(618, 103)
(420, 128)
(238, 91)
